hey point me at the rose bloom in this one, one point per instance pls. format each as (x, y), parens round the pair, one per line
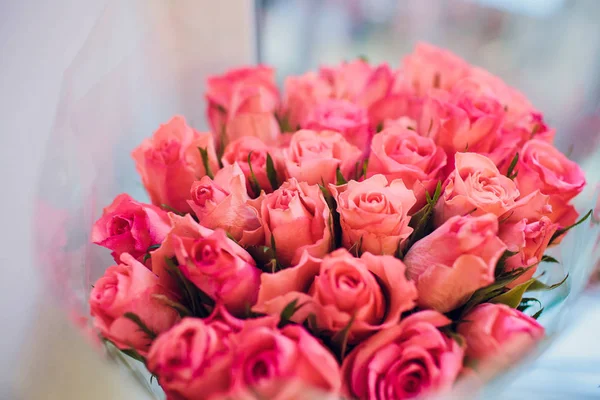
(242, 102)
(406, 361)
(211, 261)
(130, 287)
(454, 261)
(401, 153)
(224, 203)
(374, 213)
(491, 329)
(372, 288)
(314, 157)
(127, 226)
(475, 187)
(344, 117)
(248, 146)
(281, 364)
(170, 161)
(301, 95)
(296, 217)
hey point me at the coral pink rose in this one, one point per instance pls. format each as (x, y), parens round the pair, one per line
(490, 329)
(409, 360)
(400, 153)
(314, 157)
(296, 217)
(192, 360)
(302, 94)
(127, 226)
(248, 146)
(270, 362)
(130, 287)
(374, 213)
(475, 187)
(224, 203)
(242, 102)
(170, 161)
(344, 117)
(372, 288)
(454, 261)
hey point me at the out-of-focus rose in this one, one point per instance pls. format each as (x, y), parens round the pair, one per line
(344, 117)
(192, 360)
(302, 94)
(475, 187)
(296, 217)
(211, 261)
(373, 289)
(374, 213)
(314, 157)
(281, 363)
(455, 260)
(224, 203)
(406, 361)
(127, 226)
(400, 153)
(491, 329)
(130, 287)
(170, 161)
(402, 122)
(242, 102)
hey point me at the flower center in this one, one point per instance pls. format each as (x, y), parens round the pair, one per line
(167, 152)
(205, 253)
(119, 225)
(202, 194)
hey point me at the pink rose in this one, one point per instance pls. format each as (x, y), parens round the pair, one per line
(400, 153)
(475, 187)
(454, 261)
(296, 217)
(224, 203)
(170, 161)
(372, 288)
(130, 287)
(490, 329)
(409, 360)
(314, 157)
(302, 94)
(192, 360)
(374, 213)
(344, 117)
(242, 102)
(281, 364)
(127, 226)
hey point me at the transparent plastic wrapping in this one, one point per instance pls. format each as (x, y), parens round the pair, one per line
(147, 60)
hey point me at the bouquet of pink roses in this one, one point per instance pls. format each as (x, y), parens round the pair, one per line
(367, 233)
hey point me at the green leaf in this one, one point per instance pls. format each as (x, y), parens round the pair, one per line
(198, 301)
(134, 354)
(288, 312)
(356, 248)
(549, 259)
(500, 266)
(458, 338)
(364, 58)
(336, 227)
(512, 166)
(379, 127)
(364, 167)
(205, 162)
(341, 337)
(422, 220)
(537, 314)
(527, 302)
(512, 298)
(539, 286)
(138, 321)
(252, 179)
(265, 258)
(284, 124)
(180, 308)
(167, 207)
(231, 237)
(149, 250)
(222, 145)
(272, 173)
(562, 231)
(340, 180)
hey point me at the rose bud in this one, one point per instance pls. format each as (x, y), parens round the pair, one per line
(374, 213)
(130, 287)
(302, 94)
(409, 360)
(127, 226)
(454, 261)
(170, 161)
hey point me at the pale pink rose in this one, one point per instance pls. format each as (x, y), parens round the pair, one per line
(242, 102)
(170, 161)
(270, 362)
(455, 260)
(409, 360)
(373, 289)
(344, 117)
(402, 122)
(224, 203)
(127, 226)
(302, 94)
(296, 217)
(347, 80)
(374, 213)
(475, 187)
(191, 361)
(490, 330)
(130, 287)
(401, 153)
(314, 157)
(225, 324)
